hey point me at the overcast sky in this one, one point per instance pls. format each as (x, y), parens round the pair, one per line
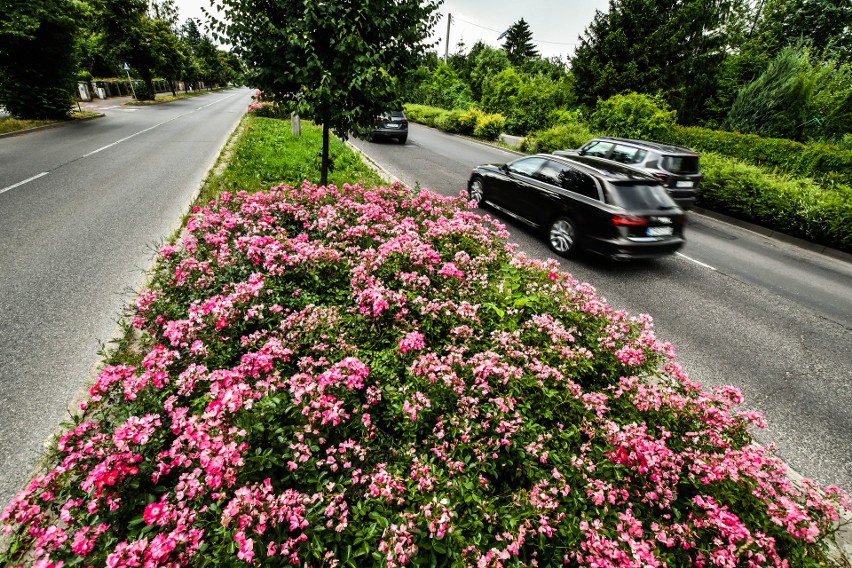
(555, 24)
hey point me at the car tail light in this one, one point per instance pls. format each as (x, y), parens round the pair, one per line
(664, 178)
(628, 221)
(403, 121)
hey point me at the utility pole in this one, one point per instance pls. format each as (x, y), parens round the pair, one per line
(447, 47)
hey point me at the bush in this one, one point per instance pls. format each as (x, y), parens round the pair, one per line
(797, 207)
(141, 92)
(823, 162)
(561, 137)
(633, 116)
(424, 114)
(469, 120)
(450, 121)
(371, 378)
(489, 126)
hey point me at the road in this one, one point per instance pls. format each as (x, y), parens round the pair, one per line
(82, 208)
(740, 308)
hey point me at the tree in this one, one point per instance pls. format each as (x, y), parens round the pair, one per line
(673, 47)
(775, 103)
(823, 25)
(518, 45)
(486, 62)
(337, 63)
(37, 58)
(128, 37)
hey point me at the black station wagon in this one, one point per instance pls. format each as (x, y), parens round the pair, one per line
(584, 202)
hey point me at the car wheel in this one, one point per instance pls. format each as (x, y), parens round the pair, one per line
(563, 236)
(477, 191)
(402, 139)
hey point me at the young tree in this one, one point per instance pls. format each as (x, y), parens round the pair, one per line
(338, 63)
(37, 58)
(518, 45)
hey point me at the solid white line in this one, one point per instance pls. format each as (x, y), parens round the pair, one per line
(20, 183)
(699, 263)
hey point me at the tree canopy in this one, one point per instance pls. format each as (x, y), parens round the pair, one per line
(338, 63)
(673, 47)
(37, 58)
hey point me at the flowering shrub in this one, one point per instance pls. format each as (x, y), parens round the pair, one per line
(263, 108)
(348, 376)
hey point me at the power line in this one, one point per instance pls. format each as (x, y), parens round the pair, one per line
(456, 18)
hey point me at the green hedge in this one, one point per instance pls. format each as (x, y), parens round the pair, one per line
(560, 137)
(472, 122)
(797, 207)
(822, 162)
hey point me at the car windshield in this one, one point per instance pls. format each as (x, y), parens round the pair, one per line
(680, 164)
(641, 196)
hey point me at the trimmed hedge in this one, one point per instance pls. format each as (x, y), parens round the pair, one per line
(472, 122)
(823, 162)
(560, 137)
(797, 207)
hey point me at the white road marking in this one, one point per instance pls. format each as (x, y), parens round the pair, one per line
(20, 183)
(699, 263)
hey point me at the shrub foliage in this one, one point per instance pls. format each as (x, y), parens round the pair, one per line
(371, 377)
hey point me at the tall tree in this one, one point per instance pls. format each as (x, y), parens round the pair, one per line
(823, 25)
(519, 45)
(673, 47)
(337, 63)
(128, 36)
(37, 58)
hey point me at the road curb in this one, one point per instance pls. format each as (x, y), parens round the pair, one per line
(49, 126)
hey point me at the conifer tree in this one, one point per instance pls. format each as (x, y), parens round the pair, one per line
(518, 45)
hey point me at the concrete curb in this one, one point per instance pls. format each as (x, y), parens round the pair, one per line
(49, 126)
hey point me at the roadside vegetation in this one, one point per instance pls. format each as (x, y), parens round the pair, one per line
(763, 90)
(9, 124)
(364, 375)
(797, 189)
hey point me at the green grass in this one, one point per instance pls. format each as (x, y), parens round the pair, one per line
(13, 124)
(266, 153)
(9, 124)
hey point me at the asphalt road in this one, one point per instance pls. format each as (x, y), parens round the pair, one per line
(82, 208)
(740, 308)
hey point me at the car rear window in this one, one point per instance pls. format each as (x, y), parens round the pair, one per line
(680, 164)
(641, 196)
(397, 114)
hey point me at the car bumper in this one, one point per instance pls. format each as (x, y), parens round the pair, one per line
(389, 132)
(623, 249)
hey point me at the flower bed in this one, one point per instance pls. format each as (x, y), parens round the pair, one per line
(372, 377)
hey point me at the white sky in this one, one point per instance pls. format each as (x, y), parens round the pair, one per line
(555, 24)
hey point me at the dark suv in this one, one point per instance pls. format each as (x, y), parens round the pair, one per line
(584, 202)
(391, 124)
(675, 166)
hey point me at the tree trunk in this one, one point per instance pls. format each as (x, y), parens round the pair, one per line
(172, 87)
(324, 169)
